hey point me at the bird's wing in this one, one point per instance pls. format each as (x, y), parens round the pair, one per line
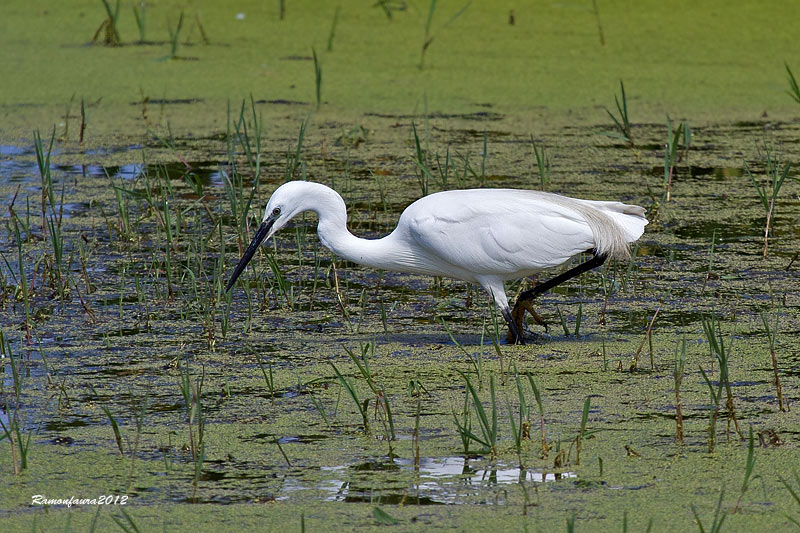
(496, 232)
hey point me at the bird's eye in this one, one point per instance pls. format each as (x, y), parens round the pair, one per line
(276, 212)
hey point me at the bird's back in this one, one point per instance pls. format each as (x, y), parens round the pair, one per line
(511, 233)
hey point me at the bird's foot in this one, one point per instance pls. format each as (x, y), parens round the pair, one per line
(518, 316)
(528, 306)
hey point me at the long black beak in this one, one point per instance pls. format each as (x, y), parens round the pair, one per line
(261, 234)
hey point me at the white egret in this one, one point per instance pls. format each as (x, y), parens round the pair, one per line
(482, 236)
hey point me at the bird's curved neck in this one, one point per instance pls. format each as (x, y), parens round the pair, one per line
(334, 235)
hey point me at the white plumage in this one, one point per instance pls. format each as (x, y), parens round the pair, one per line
(483, 236)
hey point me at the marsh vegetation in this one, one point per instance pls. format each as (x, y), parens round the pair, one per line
(318, 392)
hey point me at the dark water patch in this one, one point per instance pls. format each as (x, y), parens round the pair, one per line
(170, 101)
(613, 170)
(210, 475)
(158, 407)
(259, 348)
(672, 252)
(123, 369)
(471, 133)
(636, 321)
(281, 101)
(478, 115)
(219, 137)
(743, 383)
(128, 172)
(297, 439)
(624, 146)
(63, 424)
(351, 494)
(724, 230)
(751, 124)
(206, 172)
(761, 400)
(687, 415)
(120, 332)
(303, 439)
(719, 174)
(73, 209)
(62, 441)
(115, 300)
(376, 466)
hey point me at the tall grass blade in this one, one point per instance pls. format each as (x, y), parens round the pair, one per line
(622, 123)
(794, 90)
(317, 78)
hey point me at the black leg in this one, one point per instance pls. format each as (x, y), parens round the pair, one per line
(594, 262)
(512, 328)
(523, 302)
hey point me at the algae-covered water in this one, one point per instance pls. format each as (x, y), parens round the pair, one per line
(323, 395)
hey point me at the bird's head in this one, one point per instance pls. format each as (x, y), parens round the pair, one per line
(287, 201)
